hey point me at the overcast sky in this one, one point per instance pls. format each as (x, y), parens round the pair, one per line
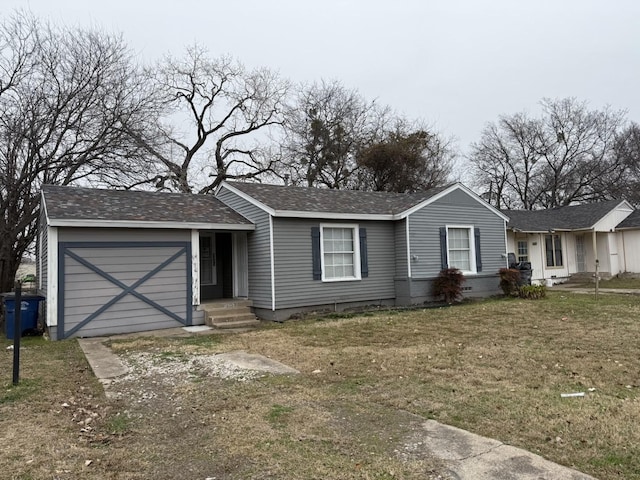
(455, 64)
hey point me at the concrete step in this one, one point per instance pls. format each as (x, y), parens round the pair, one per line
(236, 324)
(223, 312)
(228, 303)
(237, 317)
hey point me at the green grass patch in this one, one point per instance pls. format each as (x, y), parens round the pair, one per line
(278, 415)
(21, 392)
(118, 424)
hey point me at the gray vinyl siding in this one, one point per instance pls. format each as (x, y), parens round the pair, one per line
(456, 208)
(400, 229)
(295, 286)
(257, 246)
(84, 291)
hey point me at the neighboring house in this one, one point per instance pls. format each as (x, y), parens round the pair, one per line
(119, 261)
(565, 241)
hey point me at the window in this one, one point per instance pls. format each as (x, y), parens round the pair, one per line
(460, 248)
(553, 250)
(523, 251)
(340, 253)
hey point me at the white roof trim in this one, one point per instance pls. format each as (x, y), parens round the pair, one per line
(335, 216)
(150, 224)
(43, 204)
(246, 197)
(447, 191)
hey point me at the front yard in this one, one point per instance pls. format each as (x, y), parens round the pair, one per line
(497, 368)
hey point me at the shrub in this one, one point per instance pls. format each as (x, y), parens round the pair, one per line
(449, 284)
(509, 278)
(532, 292)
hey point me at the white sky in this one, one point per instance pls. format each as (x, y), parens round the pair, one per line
(457, 64)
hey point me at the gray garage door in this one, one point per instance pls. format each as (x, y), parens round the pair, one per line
(116, 287)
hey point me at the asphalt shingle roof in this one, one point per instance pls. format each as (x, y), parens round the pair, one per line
(76, 203)
(307, 199)
(632, 221)
(573, 217)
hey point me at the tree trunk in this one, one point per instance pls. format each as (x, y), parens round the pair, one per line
(8, 267)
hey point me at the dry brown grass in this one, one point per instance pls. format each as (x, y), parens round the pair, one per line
(496, 368)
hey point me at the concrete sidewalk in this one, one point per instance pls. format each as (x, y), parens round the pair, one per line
(568, 287)
(472, 457)
(467, 456)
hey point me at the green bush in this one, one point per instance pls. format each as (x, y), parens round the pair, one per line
(449, 284)
(509, 279)
(532, 292)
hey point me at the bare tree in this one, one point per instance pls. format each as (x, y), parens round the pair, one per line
(215, 120)
(565, 156)
(627, 150)
(409, 158)
(65, 96)
(327, 125)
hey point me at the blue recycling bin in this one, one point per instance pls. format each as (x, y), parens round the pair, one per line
(28, 313)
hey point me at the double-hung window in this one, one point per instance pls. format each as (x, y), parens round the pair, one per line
(553, 250)
(523, 251)
(340, 252)
(461, 248)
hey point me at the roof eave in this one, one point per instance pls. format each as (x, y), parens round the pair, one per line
(334, 215)
(88, 223)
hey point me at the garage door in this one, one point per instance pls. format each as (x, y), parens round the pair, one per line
(116, 287)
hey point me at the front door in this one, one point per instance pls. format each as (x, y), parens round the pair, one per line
(581, 255)
(208, 267)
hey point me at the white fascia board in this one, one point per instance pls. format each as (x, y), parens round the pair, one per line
(43, 205)
(447, 191)
(554, 230)
(246, 197)
(334, 216)
(150, 224)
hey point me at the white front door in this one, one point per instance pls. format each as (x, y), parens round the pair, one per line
(240, 265)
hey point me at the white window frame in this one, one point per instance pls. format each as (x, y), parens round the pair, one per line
(526, 245)
(553, 251)
(472, 248)
(354, 227)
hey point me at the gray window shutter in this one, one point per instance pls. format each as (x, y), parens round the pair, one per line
(364, 258)
(315, 253)
(476, 234)
(443, 247)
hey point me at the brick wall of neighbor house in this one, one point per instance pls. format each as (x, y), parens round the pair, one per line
(258, 248)
(456, 208)
(295, 286)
